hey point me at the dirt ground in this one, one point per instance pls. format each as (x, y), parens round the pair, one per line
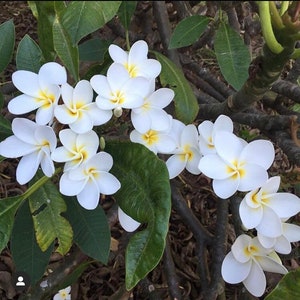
(100, 281)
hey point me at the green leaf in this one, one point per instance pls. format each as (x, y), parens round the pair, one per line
(64, 49)
(126, 11)
(288, 287)
(233, 56)
(8, 209)
(93, 50)
(5, 128)
(29, 55)
(7, 43)
(186, 105)
(90, 16)
(188, 31)
(27, 255)
(91, 230)
(46, 205)
(144, 195)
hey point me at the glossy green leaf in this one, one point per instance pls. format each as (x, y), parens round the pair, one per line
(44, 12)
(93, 50)
(126, 11)
(233, 56)
(288, 287)
(7, 43)
(188, 31)
(91, 230)
(63, 46)
(27, 255)
(29, 55)
(90, 16)
(144, 195)
(186, 104)
(46, 205)
(8, 209)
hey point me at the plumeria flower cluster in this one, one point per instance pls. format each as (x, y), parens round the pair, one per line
(233, 164)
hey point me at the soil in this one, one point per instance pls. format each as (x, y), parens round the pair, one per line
(101, 281)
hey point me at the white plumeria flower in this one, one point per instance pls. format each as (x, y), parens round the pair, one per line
(236, 165)
(40, 91)
(78, 110)
(156, 141)
(207, 131)
(117, 90)
(127, 223)
(282, 243)
(150, 115)
(136, 61)
(89, 180)
(63, 294)
(264, 206)
(187, 153)
(247, 261)
(35, 143)
(76, 148)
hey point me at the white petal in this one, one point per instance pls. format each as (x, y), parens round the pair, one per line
(53, 72)
(138, 52)
(117, 54)
(61, 154)
(222, 123)
(267, 242)
(285, 205)
(159, 120)
(27, 82)
(270, 224)
(271, 186)
(265, 150)
(44, 115)
(99, 116)
(68, 138)
(67, 95)
(108, 184)
(70, 187)
(46, 134)
(24, 130)
(83, 92)
(88, 198)
(47, 165)
(213, 167)
(291, 232)
(250, 217)
(175, 165)
(189, 135)
(228, 146)
(27, 168)
(166, 144)
(89, 141)
(64, 115)
(141, 122)
(83, 124)
(234, 271)
(225, 188)
(282, 245)
(252, 177)
(150, 68)
(100, 84)
(23, 104)
(102, 161)
(255, 283)
(117, 76)
(161, 97)
(12, 147)
(128, 223)
(268, 264)
(192, 164)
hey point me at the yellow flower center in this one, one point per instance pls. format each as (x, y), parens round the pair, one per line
(236, 170)
(46, 99)
(150, 137)
(250, 250)
(118, 97)
(132, 70)
(187, 153)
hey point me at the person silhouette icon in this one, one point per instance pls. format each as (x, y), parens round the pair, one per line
(20, 281)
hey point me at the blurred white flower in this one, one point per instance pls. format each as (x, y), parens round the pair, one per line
(79, 111)
(127, 223)
(247, 261)
(35, 143)
(264, 206)
(150, 115)
(40, 91)
(76, 148)
(187, 153)
(63, 294)
(117, 90)
(90, 179)
(236, 165)
(207, 131)
(136, 61)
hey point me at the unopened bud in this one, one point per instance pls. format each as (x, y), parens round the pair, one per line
(118, 112)
(102, 143)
